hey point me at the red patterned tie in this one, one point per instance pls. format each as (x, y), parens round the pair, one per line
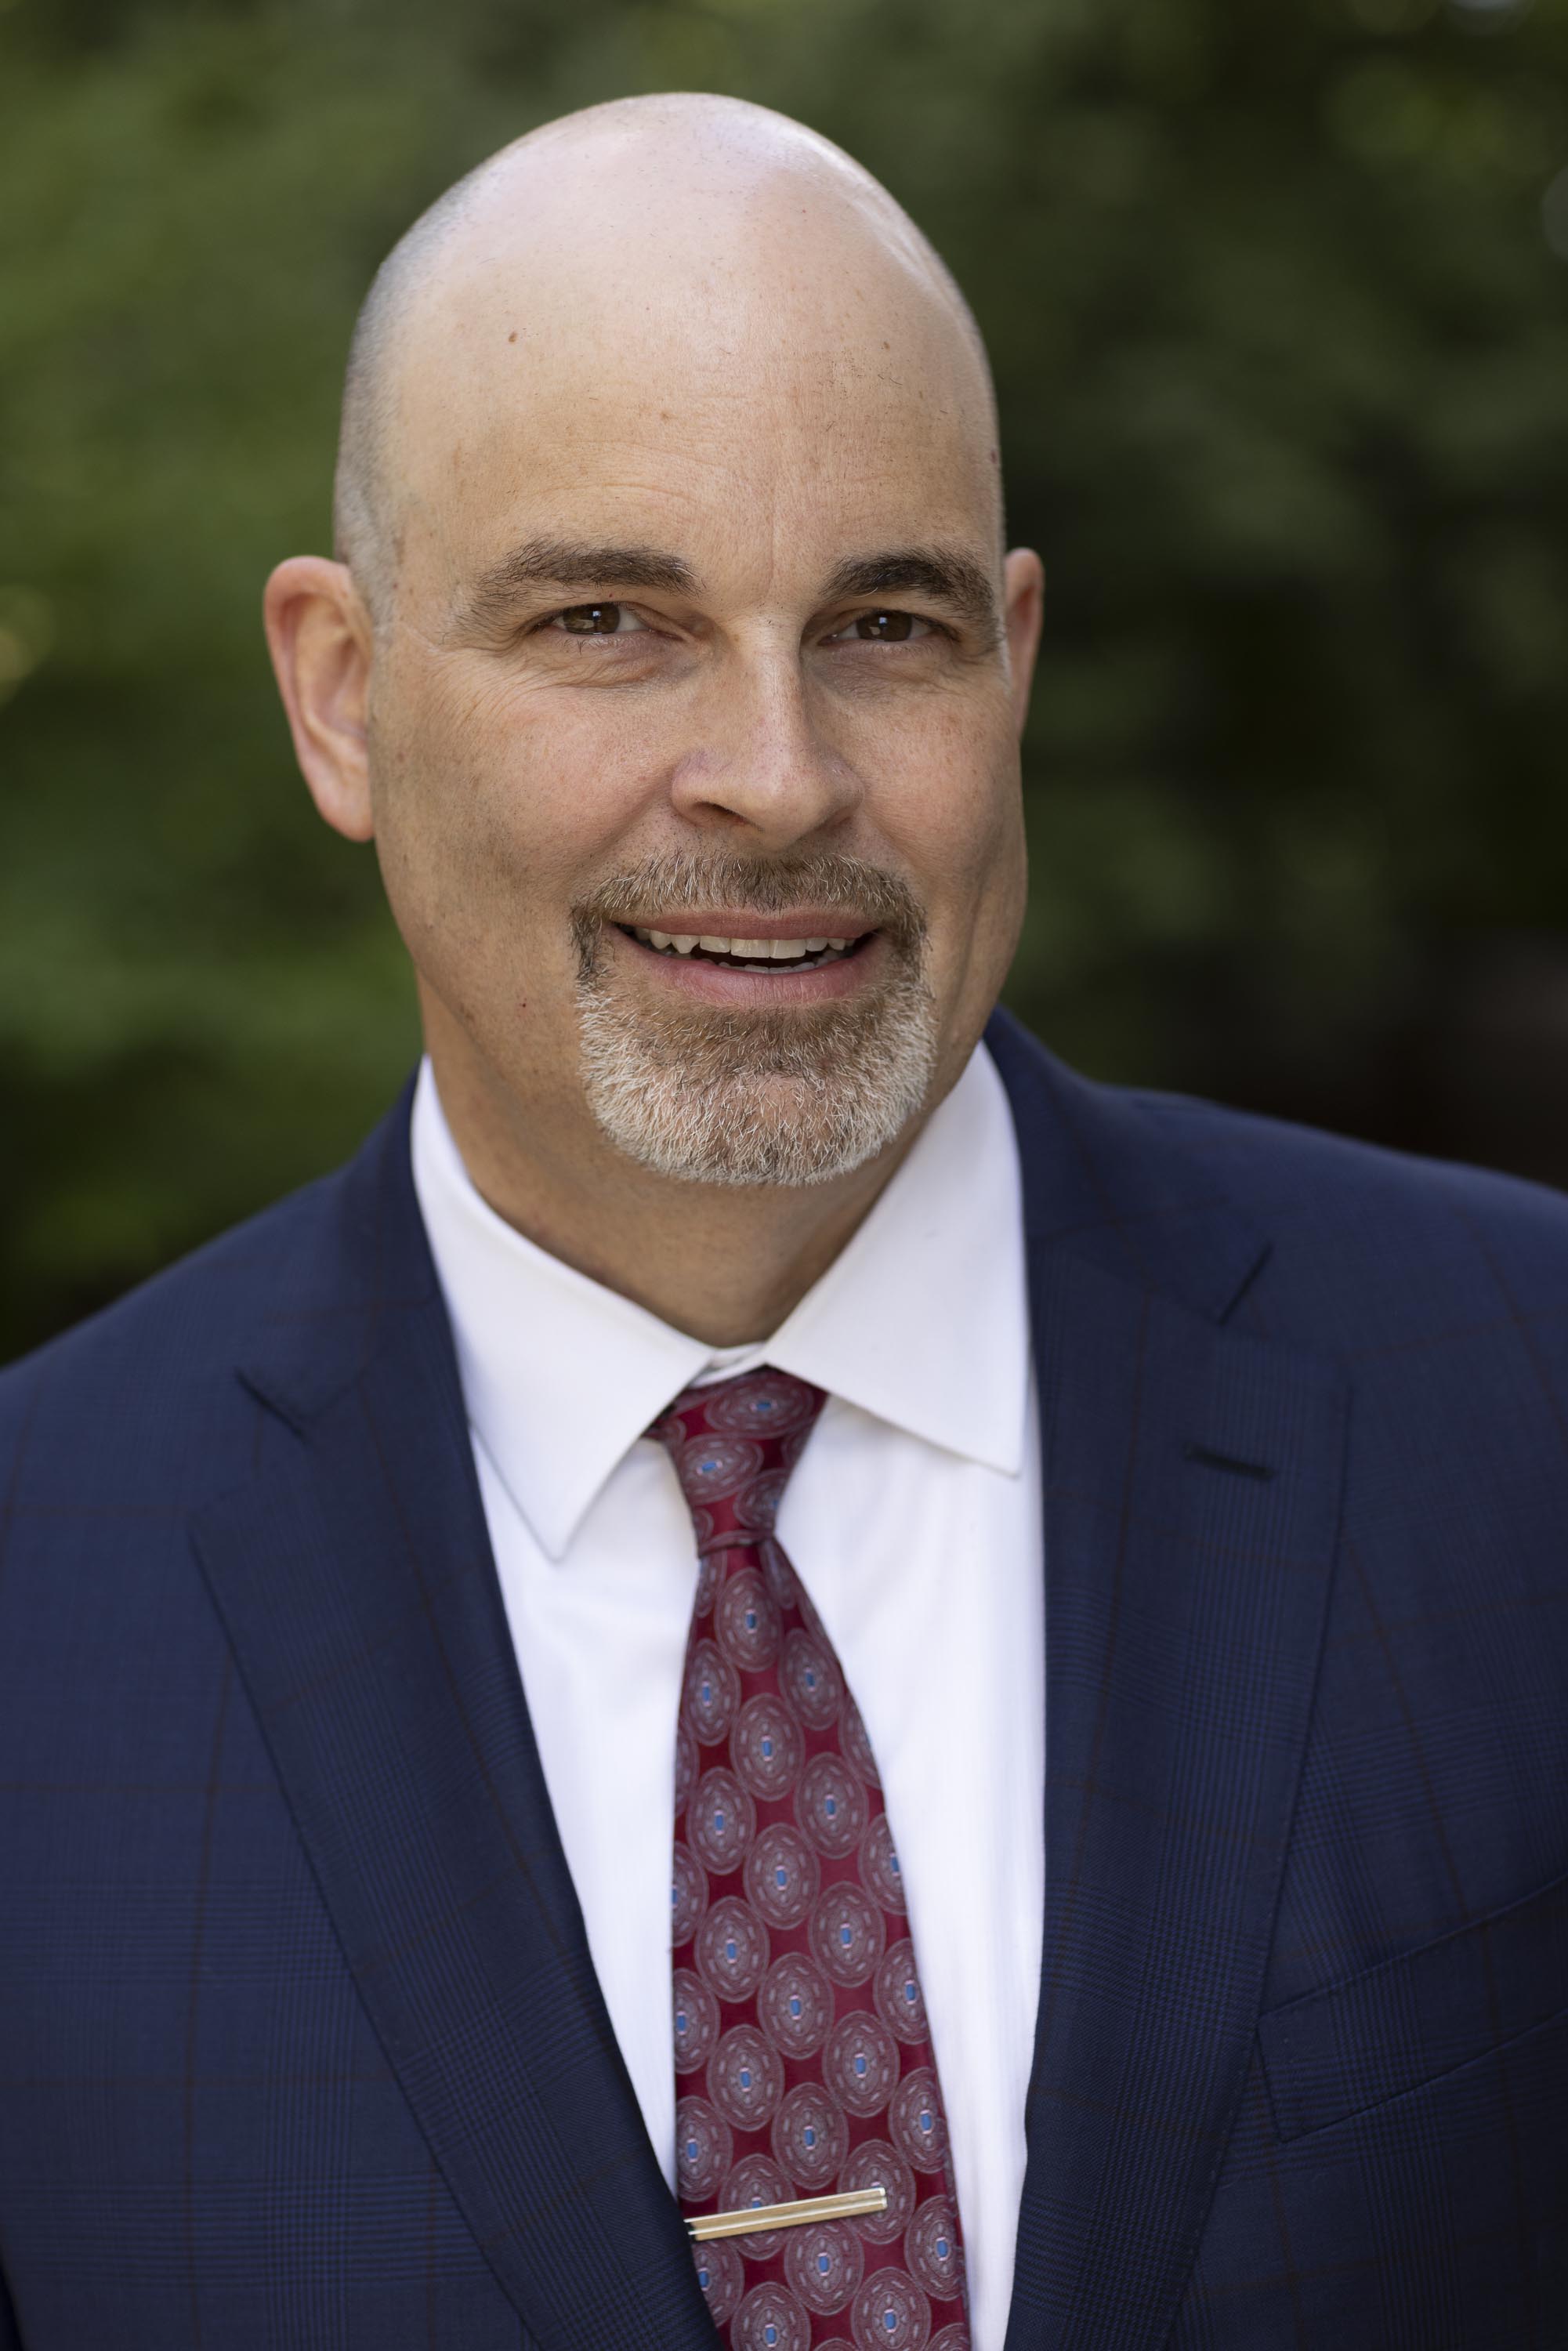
(802, 2056)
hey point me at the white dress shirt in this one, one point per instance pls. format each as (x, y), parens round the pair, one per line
(914, 1519)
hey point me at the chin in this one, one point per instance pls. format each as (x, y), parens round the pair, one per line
(710, 1101)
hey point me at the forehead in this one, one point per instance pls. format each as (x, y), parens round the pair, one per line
(758, 395)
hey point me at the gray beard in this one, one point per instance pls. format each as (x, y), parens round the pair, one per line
(798, 1097)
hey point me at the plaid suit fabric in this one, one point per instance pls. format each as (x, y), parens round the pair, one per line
(299, 2042)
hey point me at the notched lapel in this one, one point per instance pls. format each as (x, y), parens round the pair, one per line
(1192, 1481)
(358, 1587)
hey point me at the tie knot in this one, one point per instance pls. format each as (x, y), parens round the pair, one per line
(734, 1444)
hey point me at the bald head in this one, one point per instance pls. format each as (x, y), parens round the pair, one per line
(687, 234)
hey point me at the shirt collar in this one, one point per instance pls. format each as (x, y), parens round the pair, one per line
(921, 1320)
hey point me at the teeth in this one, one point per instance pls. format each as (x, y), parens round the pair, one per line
(749, 950)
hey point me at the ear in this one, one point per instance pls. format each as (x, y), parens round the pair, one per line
(319, 634)
(1023, 587)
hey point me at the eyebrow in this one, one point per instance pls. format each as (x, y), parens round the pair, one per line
(568, 563)
(942, 574)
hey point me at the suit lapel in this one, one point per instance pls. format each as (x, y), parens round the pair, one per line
(356, 1584)
(1192, 1480)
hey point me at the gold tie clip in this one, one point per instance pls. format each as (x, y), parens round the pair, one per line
(751, 2218)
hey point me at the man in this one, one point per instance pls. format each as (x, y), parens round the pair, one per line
(749, 1402)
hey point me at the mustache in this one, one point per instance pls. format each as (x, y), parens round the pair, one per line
(869, 897)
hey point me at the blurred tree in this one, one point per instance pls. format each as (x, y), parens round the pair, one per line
(1279, 306)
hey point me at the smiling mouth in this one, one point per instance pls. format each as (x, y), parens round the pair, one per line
(747, 954)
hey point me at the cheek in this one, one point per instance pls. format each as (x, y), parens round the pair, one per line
(466, 860)
(542, 780)
(953, 808)
(481, 805)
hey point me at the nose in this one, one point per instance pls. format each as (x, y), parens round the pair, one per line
(763, 766)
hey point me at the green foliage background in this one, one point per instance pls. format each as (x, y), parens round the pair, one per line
(1279, 305)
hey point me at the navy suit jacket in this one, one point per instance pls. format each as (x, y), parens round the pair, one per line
(300, 2045)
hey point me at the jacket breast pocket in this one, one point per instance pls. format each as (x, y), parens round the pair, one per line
(1333, 2052)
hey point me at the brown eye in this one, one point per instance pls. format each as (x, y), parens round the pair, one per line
(591, 619)
(885, 628)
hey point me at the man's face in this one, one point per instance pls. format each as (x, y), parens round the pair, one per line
(701, 634)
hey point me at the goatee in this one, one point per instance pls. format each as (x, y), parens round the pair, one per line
(796, 1096)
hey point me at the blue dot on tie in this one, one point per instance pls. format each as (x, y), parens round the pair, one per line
(823, 2265)
(767, 1750)
(719, 1823)
(832, 1806)
(746, 2078)
(780, 1877)
(890, 2320)
(811, 2136)
(941, 2248)
(751, 1620)
(731, 1948)
(925, 2118)
(795, 2006)
(846, 1936)
(859, 2065)
(680, 2020)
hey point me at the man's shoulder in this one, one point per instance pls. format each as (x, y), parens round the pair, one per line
(1355, 1242)
(1382, 1253)
(1307, 1175)
(1326, 1188)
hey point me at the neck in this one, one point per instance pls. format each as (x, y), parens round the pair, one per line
(724, 1262)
